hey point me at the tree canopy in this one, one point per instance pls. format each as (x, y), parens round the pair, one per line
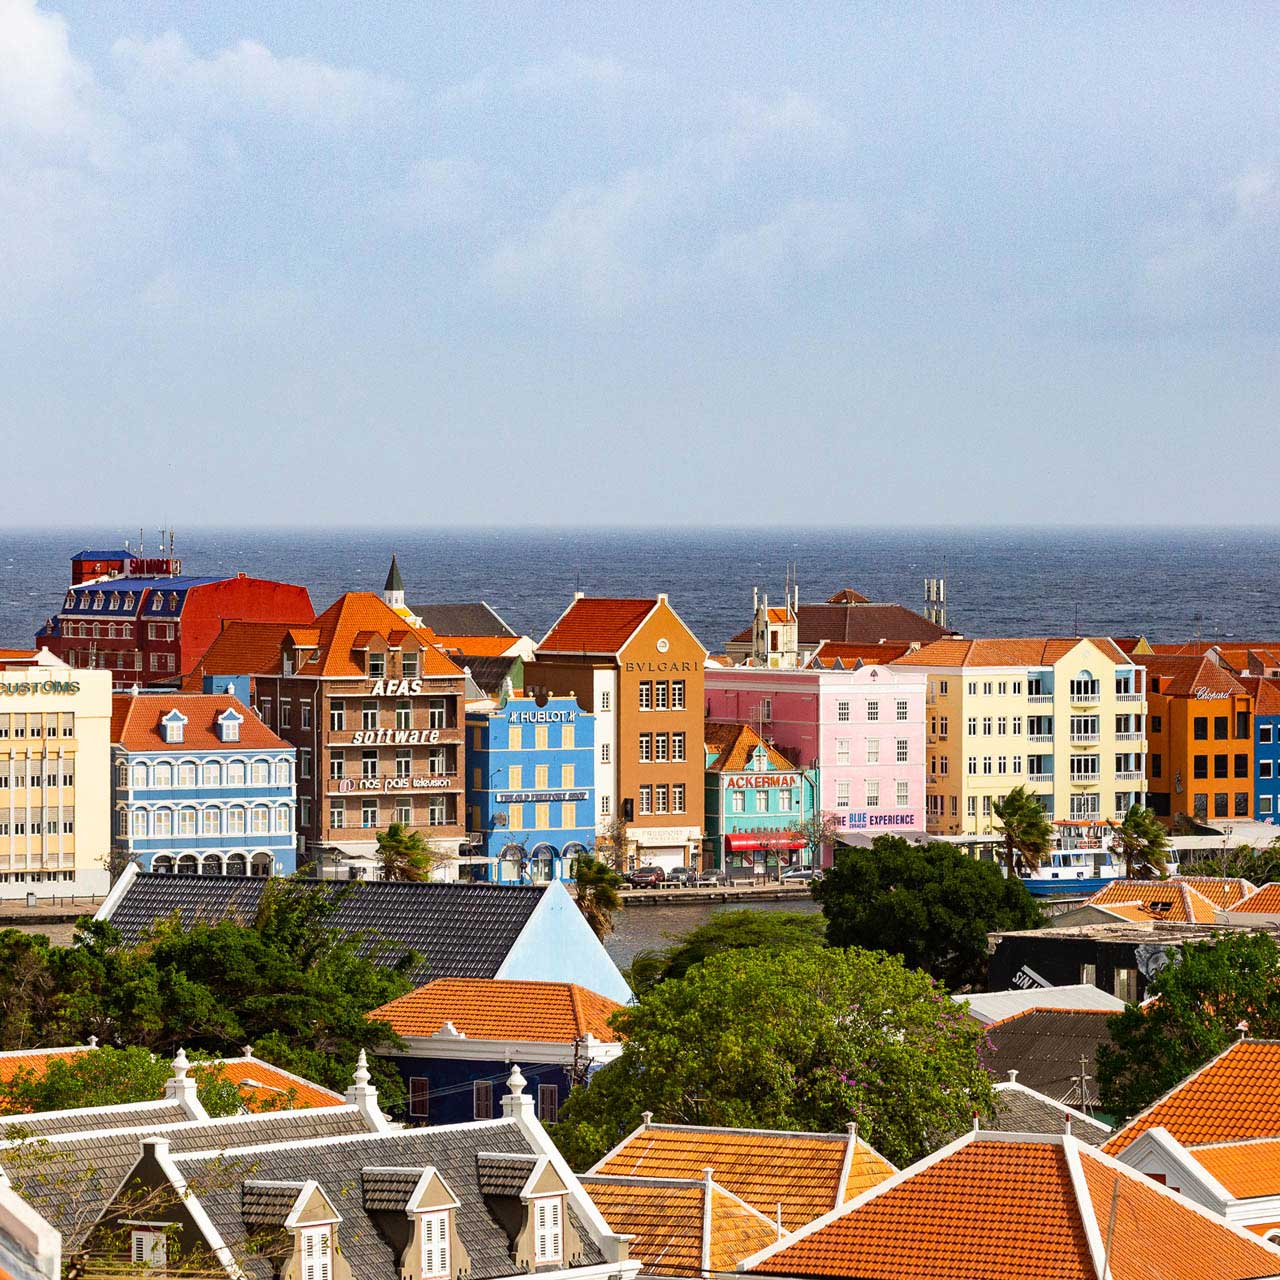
(1141, 840)
(1200, 998)
(931, 904)
(810, 1040)
(1027, 833)
(284, 982)
(405, 855)
(596, 886)
(773, 931)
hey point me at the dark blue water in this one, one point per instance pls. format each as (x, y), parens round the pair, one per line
(1169, 584)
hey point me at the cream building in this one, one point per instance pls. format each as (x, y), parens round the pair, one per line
(1066, 718)
(55, 777)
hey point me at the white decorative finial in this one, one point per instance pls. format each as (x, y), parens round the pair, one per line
(1013, 1075)
(247, 1050)
(361, 1076)
(93, 1042)
(516, 1081)
(180, 1065)
(646, 1118)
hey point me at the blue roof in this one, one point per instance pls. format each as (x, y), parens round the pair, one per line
(180, 583)
(120, 553)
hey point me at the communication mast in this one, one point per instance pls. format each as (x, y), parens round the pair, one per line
(935, 601)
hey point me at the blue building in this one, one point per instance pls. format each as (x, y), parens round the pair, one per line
(1266, 748)
(200, 786)
(530, 789)
(461, 1036)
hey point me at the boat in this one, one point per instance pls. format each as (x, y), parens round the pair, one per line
(1080, 861)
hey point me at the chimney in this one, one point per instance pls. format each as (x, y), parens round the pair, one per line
(364, 1097)
(1013, 1075)
(517, 1105)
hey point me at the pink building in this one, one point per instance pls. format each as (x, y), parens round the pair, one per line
(862, 730)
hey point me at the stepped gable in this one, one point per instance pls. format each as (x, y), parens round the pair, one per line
(459, 930)
(1019, 1208)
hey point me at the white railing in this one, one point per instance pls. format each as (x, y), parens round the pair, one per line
(1129, 737)
(1085, 737)
(1040, 737)
(1039, 697)
(1130, 775)
(1130, 697)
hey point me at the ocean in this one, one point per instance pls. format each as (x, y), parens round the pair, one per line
(1168, 584)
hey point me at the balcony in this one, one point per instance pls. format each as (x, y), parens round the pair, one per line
(389, 783)
(1085, 779)
(1035, 776)
(1130, 737)
(1039, 697)
(1130, 697)
(1131, 775)
(1083, 695)
(1040, 737)
(1084, 737)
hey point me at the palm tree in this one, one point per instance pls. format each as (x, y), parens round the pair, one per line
(597, 886)
(1141, 841)
(405, 854)
(1027, 833)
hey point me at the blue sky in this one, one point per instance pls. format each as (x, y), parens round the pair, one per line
(660, 264)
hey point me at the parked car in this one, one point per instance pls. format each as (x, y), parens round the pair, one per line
(646, 877)
(801, 873)
(686, 877)
(711, 879)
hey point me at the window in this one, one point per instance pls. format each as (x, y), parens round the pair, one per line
(286, 714)
(547, 1234)
(566, 736)
(404, 762)
(435, 1226)
(873, 710)
(971, 766)
(842, 793)
(784, 800)
(377, 665)
(409, 666)
(842, 751)
(986, 764)
(646, 748)
(1199, 766)
(873, 793)
(604, 753)
(1240, 765)
(1125, 985)
(660, 695)
(1157, 765)
(1241, 804)
(1002, 688)
(404, 714)
(1002, 764)
(986, 726)
(677, 695)
(1017, 726)
(186, 822)
(1200, 728)
(1220, 766)
(548, 1103)
(368, 715)
(212, 822)
(903, 798)
(337, 766)
(677, 747)
(606, 806)
(605, 699)
(942, 687)
(660, 747)
(1265, 768)
(337, 814)
(900, 751)
(1266, 805)
(419, 1095)
(646, 799)
(766, 708)
(644, 692)
(1156, 724)
(972, 688)
(149, 1248)
(942, 726)
(162, 822)
(337, 717)
(404, 813)
(738, 802)
(212, 774)
(873, 750)
(944, 766)
(235, 821)
(1264, 734)
(762, 800)
(1219, 727)
(971, 806)
(515, 738)
(1242, 724)
(842, 710)
(1221, 807)
(304, 714)
(304, 762)
(660, 799)
(902, 709)
(368, 813)
(971, 725)
(986, 688)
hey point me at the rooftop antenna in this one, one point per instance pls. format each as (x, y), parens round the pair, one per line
(1077, 618)
(141, 544)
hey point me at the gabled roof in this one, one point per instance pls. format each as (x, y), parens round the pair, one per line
(137, 723)
(1235, 1095)
(1172, 899)
(1266, 694)
(1247, 1169)
(1044, 1047)
(1191, 677)
(361, 613)
(266, 1087)
(736, 744)
(677, 1233)
(35, 1061)
(1265, 899)
(469, 619)
(1039, 651)
(243, 649)
(487, 674)
(596, 625)
(123, 1115)
(1020, 1208)
(806, 1173)
(1023, 1110)
(857, 622)
(502, 1009)
(458, 929)
(992, 1006)
(848, 655)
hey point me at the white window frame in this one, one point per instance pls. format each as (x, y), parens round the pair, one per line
(548, 1232)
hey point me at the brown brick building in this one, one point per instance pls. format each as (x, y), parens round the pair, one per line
(641, 670)
(376, 712)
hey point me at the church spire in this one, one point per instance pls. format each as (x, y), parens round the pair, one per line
(393, 590)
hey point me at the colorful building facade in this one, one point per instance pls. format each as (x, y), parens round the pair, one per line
(55, 770)
(859, 735)
(1064, 718)
(201, 787)
(757, 804)
(530, 789)
(1266, 748)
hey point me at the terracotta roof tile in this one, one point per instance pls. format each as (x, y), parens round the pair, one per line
(35, 1061)
(245, 648)
(135, 723)
(1266, 694)
(667, 1218)
(363, 614)
(1185, 902)
(502, 1009)
(1265, 899)
(800, 1171)
(736, 743)
(1037, 651)
(829, 652)
(1189, 677)
(596, 625)
(1246, 1169)
(269, 1088)
(1236, 1095)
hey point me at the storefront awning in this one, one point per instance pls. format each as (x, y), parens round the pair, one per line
(758, 840)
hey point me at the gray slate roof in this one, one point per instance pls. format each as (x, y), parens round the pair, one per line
(858, 624)
(132, 1115)
(339, 1169)
(460, 930)
(70, 1179)
(488, 673)
(1045, 1046)
(466, 619)
(1020, 1110)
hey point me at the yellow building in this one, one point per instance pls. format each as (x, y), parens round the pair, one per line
(1066, 718)
(55, 777)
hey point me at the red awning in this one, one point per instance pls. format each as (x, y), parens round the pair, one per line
(762, 840)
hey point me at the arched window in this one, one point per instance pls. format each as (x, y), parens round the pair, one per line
(122, 775)
(188, 865)
(261, 863)
(163, 863)
(237, 865)
(235, 821)
(212, 824)
(162, 822)
(139, 775)
(212, 865)
(211, 774)
(235, 773)
(164, 774)
(282, 773)
(260, 820)
(261, 773)
(282, 818)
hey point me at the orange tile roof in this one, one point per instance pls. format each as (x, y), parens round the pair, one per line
(1266, 694)
(735, 743)
(1038, 651)
(1234, 1096)
(358, 613)
(1265, 899)
(502, 1009)
(1186, 903)
(242, 649)
(1190, 677)
(135, 723)
(667, 1219)
(850, 653)
(800, 1171)
(269, 1088)
(780, 614)
(1222, 891)
(35, 1061)
(1020, 1209)
(1246, 1169)
(596, 625)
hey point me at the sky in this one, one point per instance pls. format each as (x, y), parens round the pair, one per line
(662, 264)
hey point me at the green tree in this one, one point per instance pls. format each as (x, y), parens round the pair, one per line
(817, 830)
(810, 1039)
(1261, 866)
(1027, 833)
(405, 855)
(773, 931)
(1141, 841)
(596, 886)
(931, 904)
(1201, 997)
(105, 1077)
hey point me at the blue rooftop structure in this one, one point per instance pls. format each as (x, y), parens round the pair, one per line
(120, 553)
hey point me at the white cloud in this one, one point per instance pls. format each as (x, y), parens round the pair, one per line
(443, 192)
(249, 78)
(804, 238)
(570, 73)
(41, 81)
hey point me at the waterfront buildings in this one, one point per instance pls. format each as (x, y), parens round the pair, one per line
(641, 670)
(55, 750)
(148, 623)
(1201, 740)
(200, 786)
(1066, 718)
(757, 803)
(375, 711)
(858, 735)
(1266, 746)
(530, 788)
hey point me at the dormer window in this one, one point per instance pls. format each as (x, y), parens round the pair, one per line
(435, 1246)
(129, 600)
(317, 1253)
(115, 600)
(98, 599)
(174, 726)
(173, 600)
(70, 601)
(548, 1233)
(409, 666)
(229, 726)
(149, 1248)
(377, 665)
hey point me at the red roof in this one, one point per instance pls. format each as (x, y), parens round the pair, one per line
(596, 625)
(269, 1088)
(1014, 651)
(1191, 677)
(849, 654)
(136, 723)
(245, 648)
(351, 621)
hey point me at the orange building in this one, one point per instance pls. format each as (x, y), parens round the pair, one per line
(1199, 740)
